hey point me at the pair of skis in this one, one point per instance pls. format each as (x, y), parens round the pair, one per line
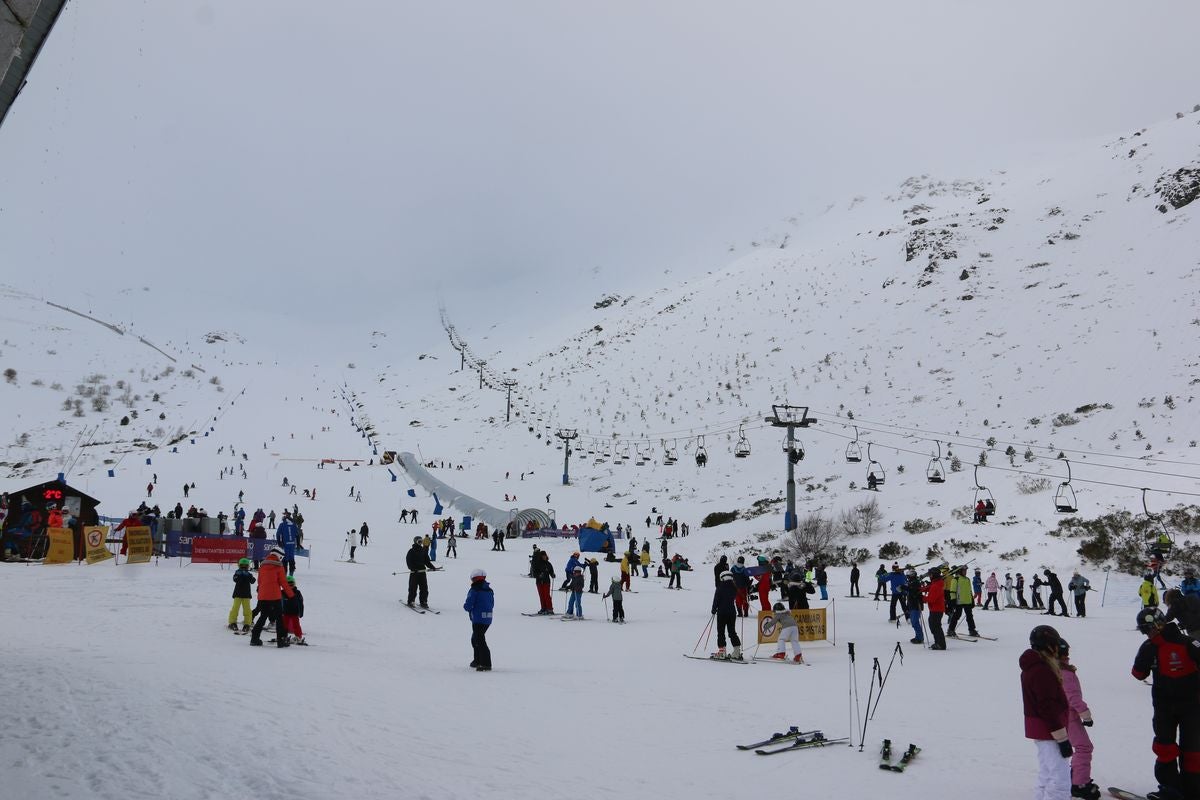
(885, 757)
(419, 609)
(797, 741)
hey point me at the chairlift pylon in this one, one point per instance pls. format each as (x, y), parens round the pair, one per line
(853, 449)
(936, 471)
(982, 495)
(1064, 498)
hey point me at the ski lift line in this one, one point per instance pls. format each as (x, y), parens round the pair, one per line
(1074, 479)
(951, 439)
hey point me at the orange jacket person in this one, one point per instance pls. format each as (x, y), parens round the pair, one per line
(272, 586)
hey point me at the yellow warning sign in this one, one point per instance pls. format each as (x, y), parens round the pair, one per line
(811, 622)
(138, 544)
(62, 546)
(93, 539)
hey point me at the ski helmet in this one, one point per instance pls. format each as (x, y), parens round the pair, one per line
(277, 551)
(1149, 619)
(1044, 638)
(579, 569)
(291, 578)
(1064, 649)
(478, 574)
(416, 540)
(726, 575)
(777, 607)
(243, 562)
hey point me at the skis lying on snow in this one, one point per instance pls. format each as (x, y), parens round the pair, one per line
(538, 614)
(886, 756)
(722, 660)
(347, 561)
(793, 732)
(802, 743)
(1124, 795)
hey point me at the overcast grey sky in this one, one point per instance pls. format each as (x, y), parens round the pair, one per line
(346, 159)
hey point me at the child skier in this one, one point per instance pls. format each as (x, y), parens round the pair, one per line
(242, 581)
(1079, 717)
(1045, 705)
(479, 606)
(576, 589)
(614, 591)
(789, 631)
(293, 610)
(724, 609)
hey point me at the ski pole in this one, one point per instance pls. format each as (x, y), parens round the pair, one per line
(874, 671)
(852, 691)
(703, 633)
(1107, 570)
(885, 676)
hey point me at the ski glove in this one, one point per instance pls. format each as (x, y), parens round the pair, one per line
(1065, 749)
(1087, 723)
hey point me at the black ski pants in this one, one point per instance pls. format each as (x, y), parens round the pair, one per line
(897, 597)
(935, 629)
(1081, 605)
(727, 622)
(1056, 597)
(483, 655)
(618, 609)
(1171, 718)
(881, 589)
(959, 611)
(269, 610)
(1037, 599)
(418, 582)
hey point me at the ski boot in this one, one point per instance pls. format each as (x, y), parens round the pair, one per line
(1089, 791)
(245, 628)
(736, 655)
(779, 656)
(799, 659)
(720, 654)
(256, 643)
(916, 641)
(232, 626)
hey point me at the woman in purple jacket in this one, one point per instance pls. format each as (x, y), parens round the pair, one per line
(1046, 713)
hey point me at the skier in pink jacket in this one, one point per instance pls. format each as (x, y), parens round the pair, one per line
(1079, 717)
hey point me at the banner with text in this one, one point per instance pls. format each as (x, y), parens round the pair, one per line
(94, 538)
(811, 622)
(218, 549)
(62, 546)
(139, 545)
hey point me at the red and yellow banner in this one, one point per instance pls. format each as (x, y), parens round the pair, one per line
(93, 540)
(62, 546)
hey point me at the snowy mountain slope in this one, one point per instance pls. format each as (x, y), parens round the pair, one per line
(967, 310)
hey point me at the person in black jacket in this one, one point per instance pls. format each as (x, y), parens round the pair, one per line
(854, 574)
(881, 581)
(721, 566)
(1056, 594)
(418, 562)
(543, 575)
(242, 581)
(1184, 609)
(797, 590)
(822, 581)
(1172, 658)
(723, 608)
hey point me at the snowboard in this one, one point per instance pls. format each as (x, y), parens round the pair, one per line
(1121, 794)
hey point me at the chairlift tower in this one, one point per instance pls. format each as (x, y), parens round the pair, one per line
(790, 417)
(509, 383)
(567, 435)
(481, 365)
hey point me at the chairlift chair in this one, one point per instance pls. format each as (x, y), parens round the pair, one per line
(742, 448)
(875, 472)
(641, 459)
(936, 471)
(1162, 540)
(701, 453)
(794, 450)
(984, 495)
(670, 456)
(1064, 498)
(853, 450)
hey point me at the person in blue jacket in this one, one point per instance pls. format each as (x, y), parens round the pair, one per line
(1190, 586)
(479, 605)
(286, 536)
(572, 563)
(896, 582)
